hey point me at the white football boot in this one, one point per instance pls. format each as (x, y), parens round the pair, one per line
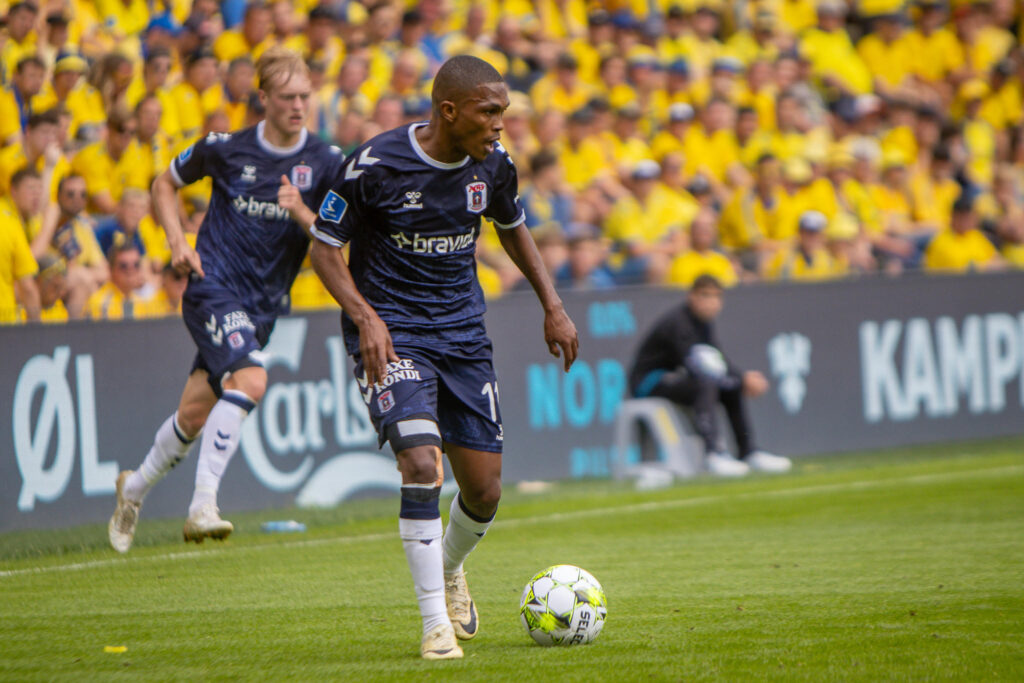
(762, 461)
(440, 643)
(722, 464)
(461, 608)
(121, 529)
(207, 524)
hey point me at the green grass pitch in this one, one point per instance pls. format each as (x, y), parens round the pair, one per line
(899, 565)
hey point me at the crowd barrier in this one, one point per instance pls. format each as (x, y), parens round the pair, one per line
(853, 365)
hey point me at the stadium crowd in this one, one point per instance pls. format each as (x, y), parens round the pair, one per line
(654, 141)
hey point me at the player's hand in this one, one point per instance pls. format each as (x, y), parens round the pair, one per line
(375, 348)
(561, 337)
(185, 260)
(288, 196)
(754, 383)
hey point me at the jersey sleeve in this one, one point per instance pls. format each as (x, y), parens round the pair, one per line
(345, 203)
(505, 210)
(195, 161)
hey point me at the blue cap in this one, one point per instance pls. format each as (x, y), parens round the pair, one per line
(679, 66)
(164, 22)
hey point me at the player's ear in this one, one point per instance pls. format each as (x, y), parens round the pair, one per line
(449, 112)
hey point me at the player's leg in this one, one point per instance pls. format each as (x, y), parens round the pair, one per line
(702, 396)
(170, 445)
(242, 390)
(472, 511)
(735, 405)
(403, 409)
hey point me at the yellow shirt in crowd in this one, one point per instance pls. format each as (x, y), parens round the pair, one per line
(16, 261)
(958, 252)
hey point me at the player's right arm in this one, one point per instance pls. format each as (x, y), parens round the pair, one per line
(186, 168)
(337, 221)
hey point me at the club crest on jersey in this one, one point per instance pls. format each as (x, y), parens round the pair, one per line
(386, 401)
(476, 197)
(333, 207)
(248, 174)
(302, 176)
(236, 340)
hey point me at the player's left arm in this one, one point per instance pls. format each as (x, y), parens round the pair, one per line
(289, 197)
(559, 329)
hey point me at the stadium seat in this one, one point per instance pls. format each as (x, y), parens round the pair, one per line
(677, 449)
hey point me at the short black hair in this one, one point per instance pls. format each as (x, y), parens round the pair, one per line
(49, 116)
(23, 174)
(31, 60)
(705, 281)
(459, 75)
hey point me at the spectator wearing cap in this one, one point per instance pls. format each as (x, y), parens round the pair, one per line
(321, 41)
(645, 227)
(725, 82)
(56, 38)
(117, 300)
(888, 52)
(963, 246)
(850, 214)
(939, 53)
(646, 78)
(807, 259)
(585, 267)
(198, 95)
(670, 45)
(252, 38)
(113, 164)
(625, 143)
(16, 98)
(701, 258)
(68, 88)
(21, 37)
(17, 265)
(678, 134)
(561, 88)
(751, 214)
(582, 156)
(834, 60)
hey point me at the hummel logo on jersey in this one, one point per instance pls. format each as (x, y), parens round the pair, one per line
(441, 244)
(333, 207)
(248, 174)
(216, 334)
(413, 200)
(254, 208)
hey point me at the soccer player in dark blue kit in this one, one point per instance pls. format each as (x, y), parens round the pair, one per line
(409, 204)
(249, 249)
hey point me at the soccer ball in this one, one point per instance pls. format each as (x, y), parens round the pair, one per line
(563, 605)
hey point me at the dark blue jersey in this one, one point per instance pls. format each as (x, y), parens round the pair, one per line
(412, 223)
(248, 243)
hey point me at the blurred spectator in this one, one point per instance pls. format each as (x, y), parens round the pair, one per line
(16, 98)
(808, 259)
(113, 165)
(701, 258)
(197, 96)
(750, 217)
(547, 198)
(963, 247)
(17, 265)
(155, 147)
(67, 89)
(111, 75)
(51, 281)
(116, 299)
(167, 299)
(238, 85)
(38, 150)
(123, 226)
(585, 266)
(20, 37)
(251, 40)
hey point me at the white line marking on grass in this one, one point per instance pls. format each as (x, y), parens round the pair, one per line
(521, 521)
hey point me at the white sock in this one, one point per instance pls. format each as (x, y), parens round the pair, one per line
(220, 441)
(419, 525)
(461, 536)
(169, 448)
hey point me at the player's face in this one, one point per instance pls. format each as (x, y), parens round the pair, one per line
(287, 104)
(478, 121)
(706, 303)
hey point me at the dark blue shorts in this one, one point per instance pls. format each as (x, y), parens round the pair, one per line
(453, 385)
(227, 336)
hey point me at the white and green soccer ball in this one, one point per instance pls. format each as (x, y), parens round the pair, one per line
(563, 605)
